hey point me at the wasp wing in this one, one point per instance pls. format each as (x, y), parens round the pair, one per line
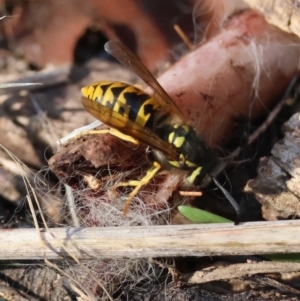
(126, 126)
(130, 60)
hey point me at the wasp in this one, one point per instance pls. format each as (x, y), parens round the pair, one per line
(154, 120)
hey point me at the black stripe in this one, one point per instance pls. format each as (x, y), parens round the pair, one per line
(116, 91)
(151, 122)
(104, 88)
(135, 101)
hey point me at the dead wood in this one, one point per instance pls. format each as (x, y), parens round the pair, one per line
(277, 184)
(283, 13)
(162, 241)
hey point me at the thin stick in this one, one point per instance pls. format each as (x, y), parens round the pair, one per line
(242, 269)
(273, 114)
(190, 193)
(152, 241)
(71, 205)
(184, 37)
(40, 80)
(260, 130)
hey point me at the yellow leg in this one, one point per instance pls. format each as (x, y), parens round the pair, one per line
(112, 132)
(138, 184)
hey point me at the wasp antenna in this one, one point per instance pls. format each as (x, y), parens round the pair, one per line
(232, 201)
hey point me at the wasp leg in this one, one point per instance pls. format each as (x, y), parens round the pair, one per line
(112, 132)
(138, 184)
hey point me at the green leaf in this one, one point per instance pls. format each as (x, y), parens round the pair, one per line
(200, 216)
(291, 257)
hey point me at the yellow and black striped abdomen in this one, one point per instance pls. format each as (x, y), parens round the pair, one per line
(125, 100)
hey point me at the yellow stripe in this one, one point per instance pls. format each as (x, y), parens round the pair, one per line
(179, 141)
(121, 103)
(85, 91)
(192, 177)
(176, 164)
(88, 91)
(97, 93)
(190, 164)
(186, 128)
(180, 163)
(171, 137)
(142, 118)
(108, 97)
